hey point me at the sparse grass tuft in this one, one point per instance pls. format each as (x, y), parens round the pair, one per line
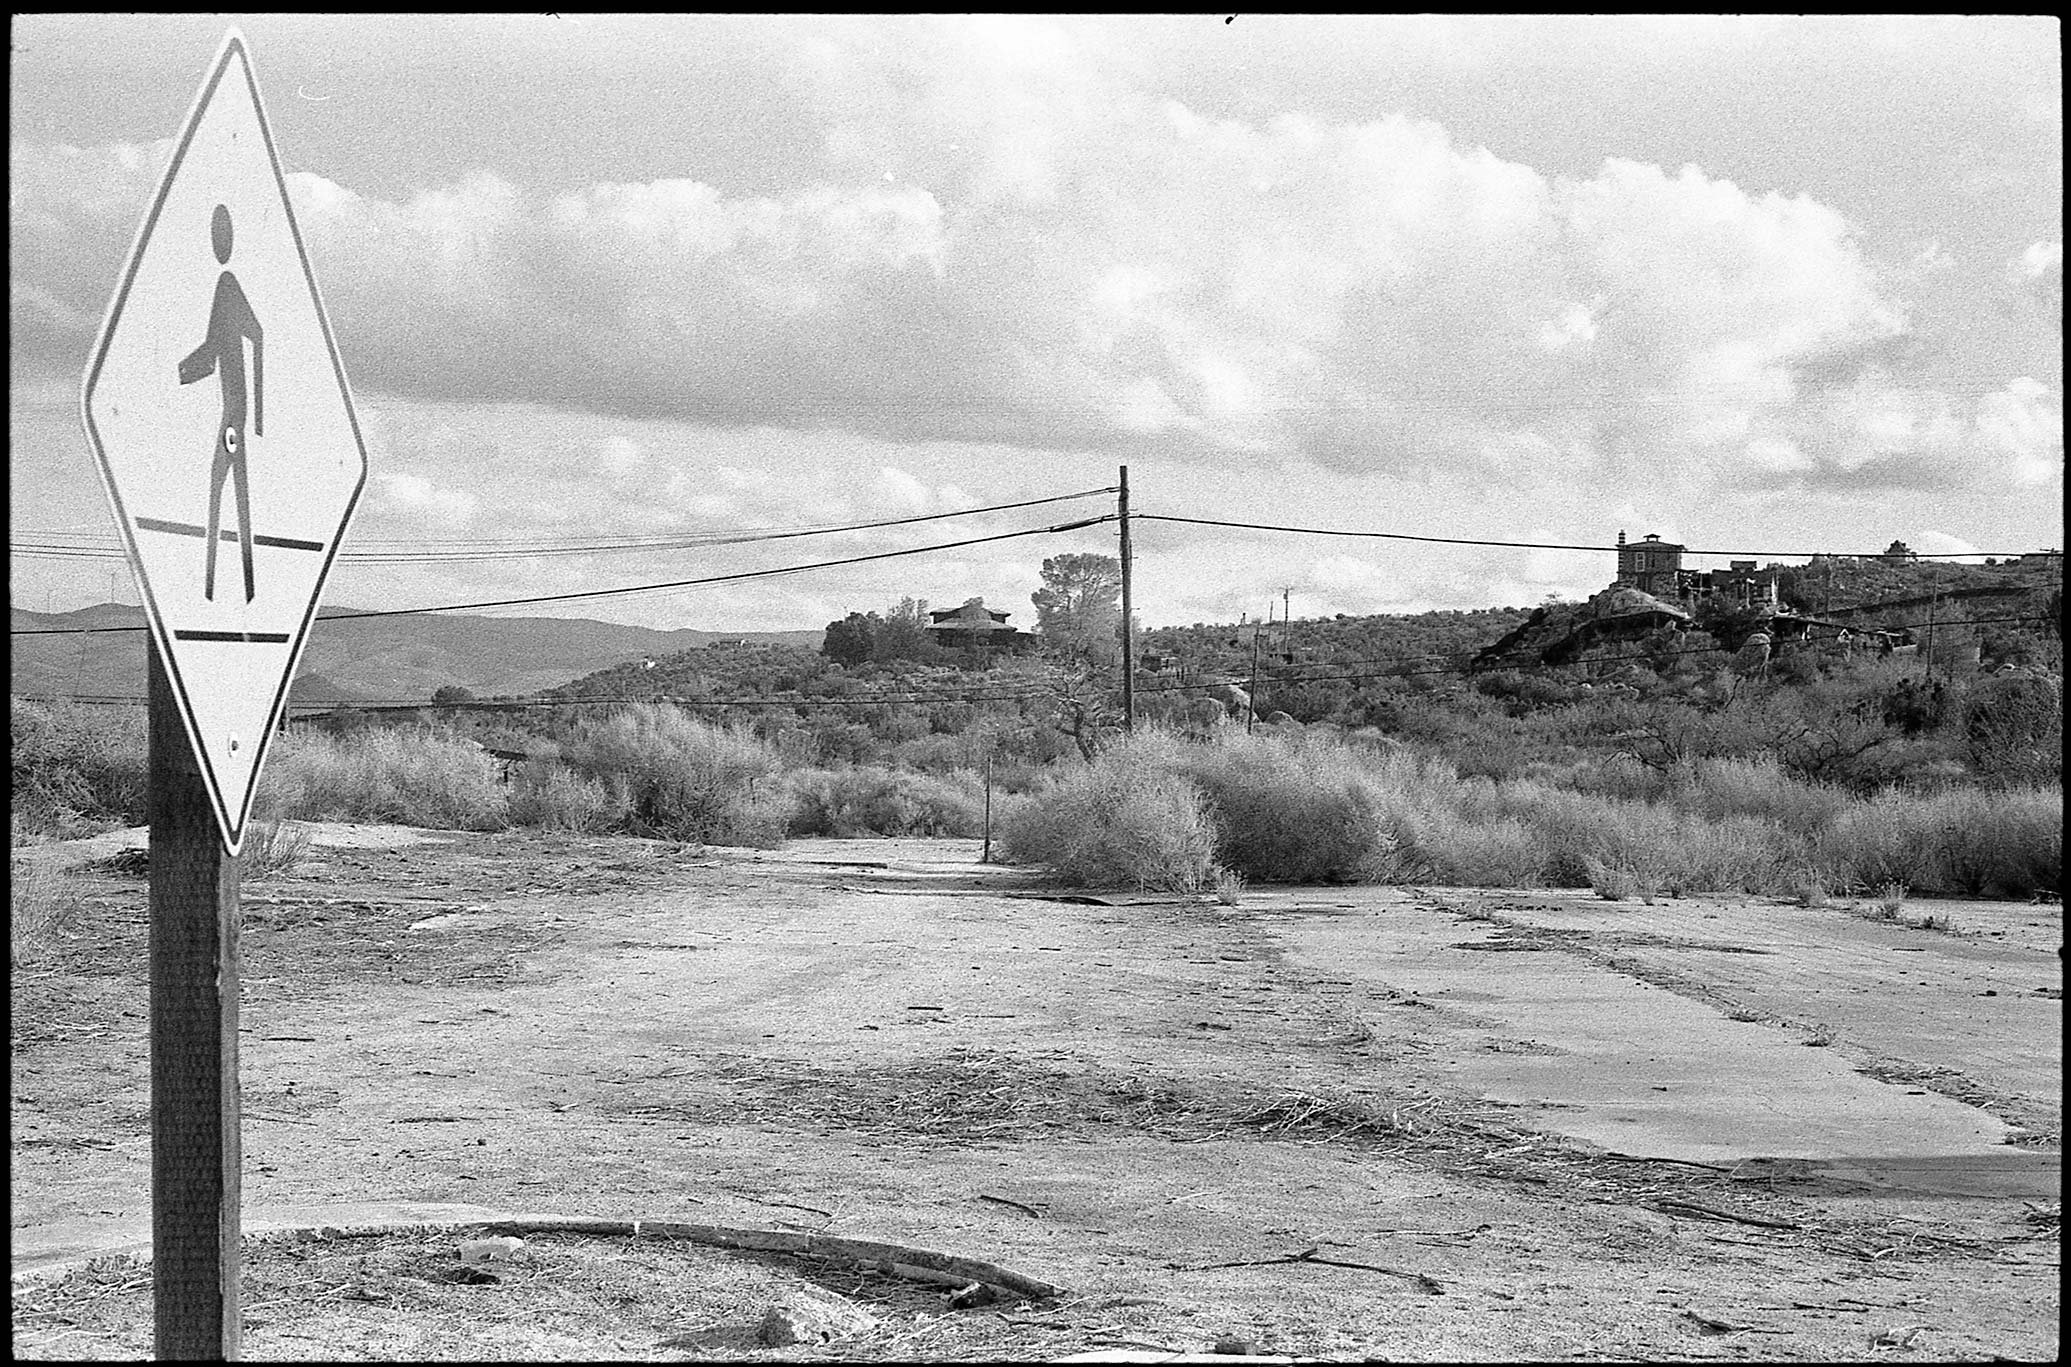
(1820, 1035)
(40, 903)
(1612, 883)
(1229, 886)
(273, 845)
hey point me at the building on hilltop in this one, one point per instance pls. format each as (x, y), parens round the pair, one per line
(1649, 564)
(1655, 568)
(974, 625)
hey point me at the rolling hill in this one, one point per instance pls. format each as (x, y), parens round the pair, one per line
(372, 659)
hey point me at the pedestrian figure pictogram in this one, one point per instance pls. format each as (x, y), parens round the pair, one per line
(231, 322)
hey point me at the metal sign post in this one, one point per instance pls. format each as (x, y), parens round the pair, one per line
(197, 1146)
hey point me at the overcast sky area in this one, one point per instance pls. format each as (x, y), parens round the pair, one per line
(1777, 284)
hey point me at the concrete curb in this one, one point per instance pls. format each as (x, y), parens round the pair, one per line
(897, 1260)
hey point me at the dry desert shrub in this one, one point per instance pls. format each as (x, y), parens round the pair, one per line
(1121, 822)
(1808, 889)
(1952, 841)
(410, 777)
(552, 797)
(1288, 811)
(1613, 882)
(1502, 853)
(77, 769)
(1304, 808)
(680, 779)
(868, 800)
(1719, 788)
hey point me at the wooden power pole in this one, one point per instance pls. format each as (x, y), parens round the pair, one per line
(1128, 626)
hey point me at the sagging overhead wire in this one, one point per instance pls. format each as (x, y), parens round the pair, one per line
(1542, 545)
(45, 544)
(629, 589)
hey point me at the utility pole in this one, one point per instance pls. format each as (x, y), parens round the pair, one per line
(1251, 702)
(1286, 612)
(1128, 627)
(1933, 594)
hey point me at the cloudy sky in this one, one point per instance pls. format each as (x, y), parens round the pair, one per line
(1757, 284)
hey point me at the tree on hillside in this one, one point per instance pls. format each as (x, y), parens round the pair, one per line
(1079, 607)
(1073, 697)
(902, 634)
(851, 640)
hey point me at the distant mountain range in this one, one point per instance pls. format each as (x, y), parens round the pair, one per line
(371, 659)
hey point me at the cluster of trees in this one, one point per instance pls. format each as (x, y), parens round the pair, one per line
(900, 634)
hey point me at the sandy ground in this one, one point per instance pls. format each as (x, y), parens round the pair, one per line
(1535, 1125)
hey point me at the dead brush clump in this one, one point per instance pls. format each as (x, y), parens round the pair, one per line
(1332, 1119)
(971, 1096)
(963, 1096)
(40, 904)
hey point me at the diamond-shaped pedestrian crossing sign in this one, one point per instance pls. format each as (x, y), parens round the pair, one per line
(219, 415)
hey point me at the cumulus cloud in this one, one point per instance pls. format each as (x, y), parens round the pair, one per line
(1015, 242)
(2040, 259)
(1941, 543)
(619, 455)
(2023, 426)
(419, 500)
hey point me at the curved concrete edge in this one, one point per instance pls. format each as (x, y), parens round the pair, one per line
(58, 1255)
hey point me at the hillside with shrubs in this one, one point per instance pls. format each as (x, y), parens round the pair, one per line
(1650, 762)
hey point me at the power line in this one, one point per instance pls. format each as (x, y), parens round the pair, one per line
(1540, 545)
(40, 543)
(625, 590)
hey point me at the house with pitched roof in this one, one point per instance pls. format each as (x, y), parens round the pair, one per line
(976, 626)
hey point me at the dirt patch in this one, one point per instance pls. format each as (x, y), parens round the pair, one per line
(1165, 1107)
(559, 1297)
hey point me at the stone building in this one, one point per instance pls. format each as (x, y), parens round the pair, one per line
(1655, 567)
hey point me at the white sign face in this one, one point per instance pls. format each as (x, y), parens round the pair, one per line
(218, 411)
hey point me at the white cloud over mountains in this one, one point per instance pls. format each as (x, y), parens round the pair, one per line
(1015, 243)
